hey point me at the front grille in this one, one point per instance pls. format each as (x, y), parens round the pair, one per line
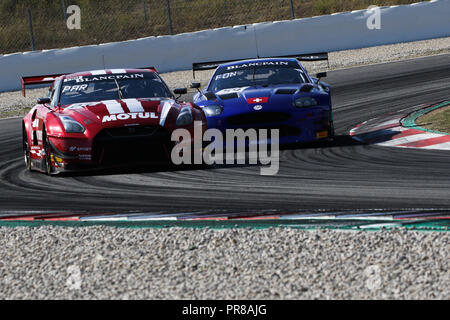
(258, 118)
(131, 132)
(129, 144)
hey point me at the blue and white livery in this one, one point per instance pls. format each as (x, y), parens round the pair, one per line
(270, 93)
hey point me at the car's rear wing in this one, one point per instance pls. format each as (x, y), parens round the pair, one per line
(149, 68)
(201, 66)
(37, 80)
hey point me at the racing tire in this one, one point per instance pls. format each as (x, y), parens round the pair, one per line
(332, 134)
(48, 153)
(26, 151)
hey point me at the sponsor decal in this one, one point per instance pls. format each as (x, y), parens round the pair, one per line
(128, 116)
(258, 107)
(75, 88)
(104, 77)
(87, 157)
(37, 153)
(226, 75)
(35, 123)
(258, 100)
(79, 149)
(258, 64)
(231, 90)
(39, 135)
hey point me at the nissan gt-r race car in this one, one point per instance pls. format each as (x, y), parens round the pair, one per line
(102, 118)
(270, 93)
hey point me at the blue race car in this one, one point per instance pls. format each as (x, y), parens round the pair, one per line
(269, 93)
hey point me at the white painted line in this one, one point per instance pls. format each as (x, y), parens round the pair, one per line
(387, 123)
(381, 225)
(153, 219)
(307, 217)
(105, 219)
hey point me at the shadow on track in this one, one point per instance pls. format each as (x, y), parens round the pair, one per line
(143, 168)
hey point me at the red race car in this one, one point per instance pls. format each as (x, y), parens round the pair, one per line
(104, 117)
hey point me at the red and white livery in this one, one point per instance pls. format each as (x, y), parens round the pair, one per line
(104, 117)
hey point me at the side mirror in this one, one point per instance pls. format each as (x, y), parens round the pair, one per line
(180, 91)
(44, 100)
(321, 75)
(195, 85)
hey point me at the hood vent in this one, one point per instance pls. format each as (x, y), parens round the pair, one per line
(210, 95)
(229, 96)
(286, 91)
(306, 87)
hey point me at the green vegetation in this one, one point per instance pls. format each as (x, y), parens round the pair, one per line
(112, 20)
(438, 120)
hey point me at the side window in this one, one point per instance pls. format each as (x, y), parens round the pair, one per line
(164, 84)
(54, 93)
(50, 92)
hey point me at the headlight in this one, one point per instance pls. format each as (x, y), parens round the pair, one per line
(305, 102)
(71, 125)
(185, 117)
(212, 110)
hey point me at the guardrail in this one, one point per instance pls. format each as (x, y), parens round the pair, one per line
(341, 31)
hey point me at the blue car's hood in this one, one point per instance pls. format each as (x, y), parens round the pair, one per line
(269, 98)
(249, 97)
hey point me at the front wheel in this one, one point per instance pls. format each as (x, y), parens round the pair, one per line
(48, 154)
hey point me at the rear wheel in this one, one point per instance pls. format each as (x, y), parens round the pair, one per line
(26, 151)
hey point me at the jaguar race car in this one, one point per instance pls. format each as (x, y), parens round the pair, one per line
(103, 118)
(270, 93)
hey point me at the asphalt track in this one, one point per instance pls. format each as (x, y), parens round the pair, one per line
(344, 176)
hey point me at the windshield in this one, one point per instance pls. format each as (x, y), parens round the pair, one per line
(113, 87)
(260, 75)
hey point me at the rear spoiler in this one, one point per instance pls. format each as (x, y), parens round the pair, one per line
(149, 68)
(36, 80)
(201, 66)
(39, 80)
